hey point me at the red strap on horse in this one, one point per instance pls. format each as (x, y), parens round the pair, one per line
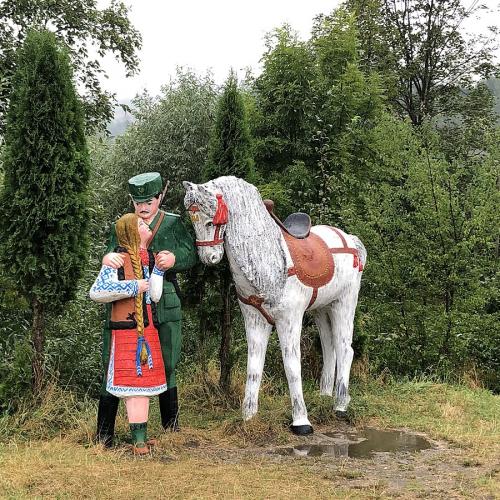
(346, 249)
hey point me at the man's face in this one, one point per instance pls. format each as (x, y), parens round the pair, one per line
(146, 210)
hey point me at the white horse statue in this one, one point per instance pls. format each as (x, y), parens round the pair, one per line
(278, 277)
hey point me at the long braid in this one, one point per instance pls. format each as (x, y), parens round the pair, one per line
(128, 237)
(139, 314)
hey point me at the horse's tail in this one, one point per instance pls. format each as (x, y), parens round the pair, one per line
(362, 253)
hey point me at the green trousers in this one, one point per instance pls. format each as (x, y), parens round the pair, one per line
(170, 340)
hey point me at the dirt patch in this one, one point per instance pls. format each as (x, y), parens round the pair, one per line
(441, 470)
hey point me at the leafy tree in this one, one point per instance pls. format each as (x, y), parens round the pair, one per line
(423, 49)
(429, 304)
(229, 154)
(335, 42)
(43, 201)
(170, 135)
(351, 102)
(285, 103)
(340, 102)
(86, 29)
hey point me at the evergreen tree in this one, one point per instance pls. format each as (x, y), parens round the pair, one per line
(230, 146)
(43, 201)
(229, 154)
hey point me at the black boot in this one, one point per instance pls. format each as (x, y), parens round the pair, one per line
(106, 416)
(169, 409)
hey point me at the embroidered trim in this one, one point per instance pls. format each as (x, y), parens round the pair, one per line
(107, 283)
(158, 272)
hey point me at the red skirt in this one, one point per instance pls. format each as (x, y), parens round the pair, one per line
(123, 380)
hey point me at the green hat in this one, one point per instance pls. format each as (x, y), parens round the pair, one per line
(143, 187)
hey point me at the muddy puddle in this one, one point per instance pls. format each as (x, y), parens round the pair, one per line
(360, 444)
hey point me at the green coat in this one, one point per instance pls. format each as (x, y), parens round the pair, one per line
(171, 236)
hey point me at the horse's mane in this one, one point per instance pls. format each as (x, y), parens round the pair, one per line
(253, 238)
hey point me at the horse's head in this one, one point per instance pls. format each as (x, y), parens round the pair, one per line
(209, 215)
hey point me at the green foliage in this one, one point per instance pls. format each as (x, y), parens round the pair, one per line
(15, 352)
(429, 303)
(422, 199)
(422, 48)
(285, 103)
(340, 104)
(229, 152)
(81, 25)
(335, 42)
(43, 201)
(412, 197)
(170, 135)
(172, 130)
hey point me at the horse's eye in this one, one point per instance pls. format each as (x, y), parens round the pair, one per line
(209, 224)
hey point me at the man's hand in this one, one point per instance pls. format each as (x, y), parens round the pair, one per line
(114, 260)
(143, 285)
(164, 260)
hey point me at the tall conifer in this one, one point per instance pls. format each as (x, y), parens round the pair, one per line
(230, 146)
(229, 154)
(43, 203)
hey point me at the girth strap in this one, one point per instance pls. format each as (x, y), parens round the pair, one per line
(256, 301)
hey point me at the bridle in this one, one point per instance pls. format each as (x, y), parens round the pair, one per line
(219, 220)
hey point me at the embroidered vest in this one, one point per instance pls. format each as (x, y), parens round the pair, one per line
(123, 311)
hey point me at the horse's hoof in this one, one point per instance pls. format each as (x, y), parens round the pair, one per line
(342, 415)
(301, 430)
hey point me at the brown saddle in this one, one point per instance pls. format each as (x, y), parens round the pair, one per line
(312, 259)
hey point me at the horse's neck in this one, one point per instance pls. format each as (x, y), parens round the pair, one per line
(253, 241)
(256, 275)
(243, 285)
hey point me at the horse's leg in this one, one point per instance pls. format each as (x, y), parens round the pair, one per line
(322, 319)
(289, 328)
(342, 318)
(257, 332)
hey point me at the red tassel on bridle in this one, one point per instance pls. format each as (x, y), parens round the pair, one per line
(220, 216)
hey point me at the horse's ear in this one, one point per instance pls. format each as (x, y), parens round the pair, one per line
(188, 186)
(205, 192)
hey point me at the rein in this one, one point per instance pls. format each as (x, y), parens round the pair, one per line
(211, 243)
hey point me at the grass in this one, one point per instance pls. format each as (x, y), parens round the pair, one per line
(55, 469)
(46, 450)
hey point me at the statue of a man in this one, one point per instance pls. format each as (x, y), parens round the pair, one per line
(175, 252)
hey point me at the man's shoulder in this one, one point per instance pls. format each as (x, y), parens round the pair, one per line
(169, 223)
(170, 219)
(171, 214)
